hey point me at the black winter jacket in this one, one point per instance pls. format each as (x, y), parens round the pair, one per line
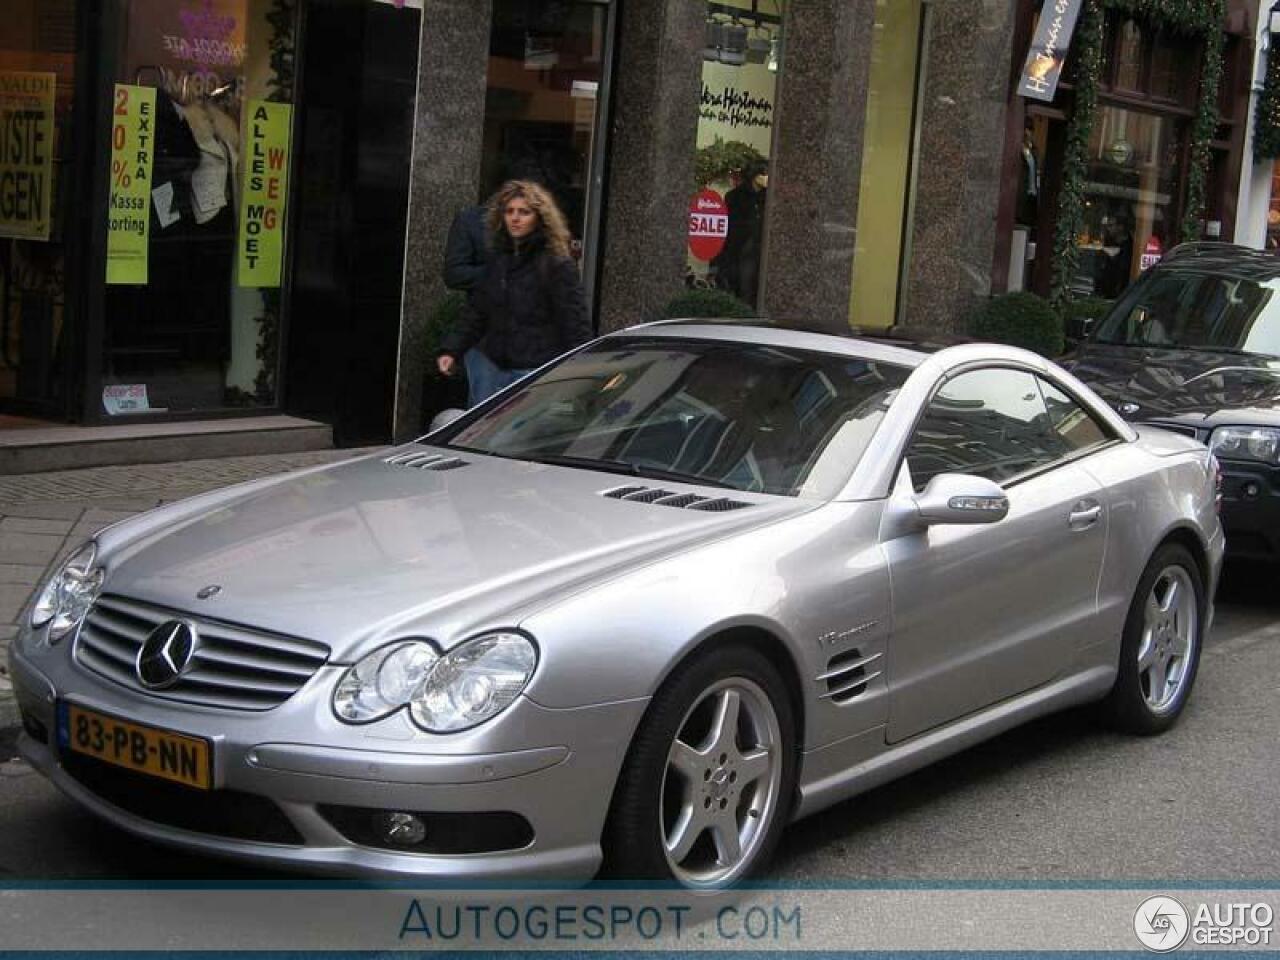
(465, 252)
(527, 309)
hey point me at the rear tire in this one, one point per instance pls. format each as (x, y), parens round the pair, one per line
(1160, 649)
(706, 788)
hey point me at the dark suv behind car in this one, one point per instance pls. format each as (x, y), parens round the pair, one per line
(1193, 345)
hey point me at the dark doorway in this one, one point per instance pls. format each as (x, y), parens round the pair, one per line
(359, 81)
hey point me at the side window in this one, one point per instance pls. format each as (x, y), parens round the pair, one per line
(1076, 427)
(991, 423)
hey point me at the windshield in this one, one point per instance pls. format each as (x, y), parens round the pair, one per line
(751, 418)
(1174, 308)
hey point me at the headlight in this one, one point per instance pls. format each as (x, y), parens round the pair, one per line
(1247, 443)
(383, 682)
(467, 686)
(69, 594)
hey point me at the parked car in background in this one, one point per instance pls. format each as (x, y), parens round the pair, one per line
(644, 608)
(1193, 346)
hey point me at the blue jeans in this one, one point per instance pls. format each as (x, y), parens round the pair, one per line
(485, 378)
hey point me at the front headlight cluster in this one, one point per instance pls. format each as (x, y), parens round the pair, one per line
(470, 684)
(67, 597)
(1247, 443)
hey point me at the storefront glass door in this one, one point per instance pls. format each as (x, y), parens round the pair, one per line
(200, 96)
(544, 110)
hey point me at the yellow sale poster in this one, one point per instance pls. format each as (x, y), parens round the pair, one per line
(26, 153)
(266, 183)
(132, 150)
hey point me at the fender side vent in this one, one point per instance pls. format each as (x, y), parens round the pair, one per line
(848, 675)
(425, 461)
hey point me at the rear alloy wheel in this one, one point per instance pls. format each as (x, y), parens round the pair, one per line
(706, 789)
(1160, 653)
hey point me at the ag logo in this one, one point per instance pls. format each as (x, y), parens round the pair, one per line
(1161, 924)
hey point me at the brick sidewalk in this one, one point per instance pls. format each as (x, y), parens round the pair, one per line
(43, 516)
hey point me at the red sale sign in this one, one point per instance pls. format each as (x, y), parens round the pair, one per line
(708, 225)
(1151, 254)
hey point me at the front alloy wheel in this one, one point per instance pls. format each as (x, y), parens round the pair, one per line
(705, 789)
(723, 776)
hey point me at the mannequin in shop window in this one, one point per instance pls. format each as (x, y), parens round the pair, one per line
(738, 265)
(1028, 179)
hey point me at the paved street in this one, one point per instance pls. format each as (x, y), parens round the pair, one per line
(43, 516)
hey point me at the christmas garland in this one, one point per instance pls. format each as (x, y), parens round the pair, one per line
(1204, 18)
(1266, 124)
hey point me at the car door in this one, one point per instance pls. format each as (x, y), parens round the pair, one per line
(984, 612)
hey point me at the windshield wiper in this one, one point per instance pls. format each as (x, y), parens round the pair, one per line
(1205, 348)
(624, 467)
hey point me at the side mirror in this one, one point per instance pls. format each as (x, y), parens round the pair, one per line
(444, 418)
(961, 498)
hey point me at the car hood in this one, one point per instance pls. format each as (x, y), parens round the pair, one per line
(368, 550)
(1148, 382)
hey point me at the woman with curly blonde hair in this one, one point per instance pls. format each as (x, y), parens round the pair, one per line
(529, 306)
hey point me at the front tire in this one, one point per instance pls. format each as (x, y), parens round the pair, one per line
(706, 788)
(1160, 651)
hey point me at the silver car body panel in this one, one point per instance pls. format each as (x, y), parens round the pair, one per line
(903, 643)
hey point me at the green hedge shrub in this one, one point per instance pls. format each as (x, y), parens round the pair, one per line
(439, 321)
(1020, 320)
(1076, 312)
(707, 303)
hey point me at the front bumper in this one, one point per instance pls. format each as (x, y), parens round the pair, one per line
(289, 769)
(1251, 510)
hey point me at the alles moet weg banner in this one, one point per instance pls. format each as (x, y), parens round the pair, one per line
(266, 183)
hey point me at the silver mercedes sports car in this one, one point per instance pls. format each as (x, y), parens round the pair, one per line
(642, 609)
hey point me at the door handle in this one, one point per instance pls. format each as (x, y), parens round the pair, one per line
(1084, 514)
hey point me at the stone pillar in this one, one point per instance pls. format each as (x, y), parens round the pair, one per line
(815, 170)
(447, 143)
(962, 130)
(652, 143)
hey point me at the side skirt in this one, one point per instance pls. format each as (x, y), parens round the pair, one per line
(943, 741)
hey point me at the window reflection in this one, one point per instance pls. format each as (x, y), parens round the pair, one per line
(997, 424)
(751, 418)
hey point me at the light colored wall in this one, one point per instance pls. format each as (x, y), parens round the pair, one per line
(1254, 200)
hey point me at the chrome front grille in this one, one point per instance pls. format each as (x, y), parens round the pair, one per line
(233, 667)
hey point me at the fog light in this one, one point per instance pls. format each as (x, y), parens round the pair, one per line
(401, 829)
(1251, 490)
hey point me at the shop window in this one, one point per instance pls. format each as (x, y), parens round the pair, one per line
(886, 164)
(1131, 191)
(741, 58)
(1150, 62)
(1128, 68)
(37, 86)
(200, 153)
(542, 107)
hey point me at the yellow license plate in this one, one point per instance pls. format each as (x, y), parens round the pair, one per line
(149, 750)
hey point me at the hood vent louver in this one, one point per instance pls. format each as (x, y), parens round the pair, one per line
(670, 498)
(848, 675)
(425, 461)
